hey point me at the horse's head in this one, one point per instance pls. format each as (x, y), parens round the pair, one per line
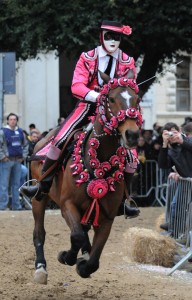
(119, 110)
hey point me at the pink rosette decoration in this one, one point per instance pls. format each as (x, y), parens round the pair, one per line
(114, 122)
(123, 81)
(131, 113)
(92, 153)
(104, 90)
(77, 151)
(99, 173)
(76, 158)
(121, 152)
(94, 143)
(79, 142)
(114, 160)
(121, 115)
(126, 30)
(118, 175)
(132, 84)
(113, 83)
(111, 183)
(97, 189)
(106, 166)
(84, 177)
(77, 169)
(94, 163)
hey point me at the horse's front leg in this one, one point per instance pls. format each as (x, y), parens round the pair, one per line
(85, 267)
(38, 209)
(78, 237)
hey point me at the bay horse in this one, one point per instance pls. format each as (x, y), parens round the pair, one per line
(90, 189)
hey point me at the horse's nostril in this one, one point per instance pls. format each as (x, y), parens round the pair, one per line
(132, 137)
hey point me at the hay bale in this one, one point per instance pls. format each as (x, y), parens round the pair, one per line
(149, 247)
(160, 220)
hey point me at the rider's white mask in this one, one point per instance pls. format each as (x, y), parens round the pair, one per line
(111, 40)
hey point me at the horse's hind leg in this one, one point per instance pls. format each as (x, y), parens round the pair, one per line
(38, 209)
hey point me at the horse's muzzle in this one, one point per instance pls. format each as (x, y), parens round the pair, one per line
(132, 138)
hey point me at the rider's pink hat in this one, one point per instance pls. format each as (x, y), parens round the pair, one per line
(116, 26)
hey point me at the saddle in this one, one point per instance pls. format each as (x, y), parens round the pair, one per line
(66, 152)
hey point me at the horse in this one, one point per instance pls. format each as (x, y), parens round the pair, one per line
(90, 189)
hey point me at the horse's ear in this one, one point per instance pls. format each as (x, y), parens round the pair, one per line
(130, 74)
(104, 77)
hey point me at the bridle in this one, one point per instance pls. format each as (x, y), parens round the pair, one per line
(110, 126)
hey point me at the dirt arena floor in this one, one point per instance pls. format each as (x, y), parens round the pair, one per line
(117, 277)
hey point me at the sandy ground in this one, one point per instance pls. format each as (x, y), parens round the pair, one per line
(117, 277)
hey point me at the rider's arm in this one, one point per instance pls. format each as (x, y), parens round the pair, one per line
(80, 82)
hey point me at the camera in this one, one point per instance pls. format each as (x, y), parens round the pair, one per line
(170, 133)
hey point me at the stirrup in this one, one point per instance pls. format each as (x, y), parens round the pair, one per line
(26, 183)
(129, 201)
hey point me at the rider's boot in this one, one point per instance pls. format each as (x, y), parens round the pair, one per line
(43, 186)
(124, 208)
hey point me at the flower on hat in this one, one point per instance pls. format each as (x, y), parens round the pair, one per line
(126, 30)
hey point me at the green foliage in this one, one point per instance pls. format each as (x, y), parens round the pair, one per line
(160, 28)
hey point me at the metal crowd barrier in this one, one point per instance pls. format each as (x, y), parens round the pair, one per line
(150, 179)
(179, 206)
(179, 213)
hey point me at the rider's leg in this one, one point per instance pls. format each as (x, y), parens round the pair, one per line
(43, 187)
(125, 208)
(77, 119)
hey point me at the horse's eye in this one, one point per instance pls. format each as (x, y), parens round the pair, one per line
(111, 100)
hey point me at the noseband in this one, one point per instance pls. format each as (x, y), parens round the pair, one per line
(110, 126)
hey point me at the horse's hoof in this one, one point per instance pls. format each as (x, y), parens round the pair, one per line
(80, 268)
(65, 259)
(41, 276)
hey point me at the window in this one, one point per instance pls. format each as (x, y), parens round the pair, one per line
(183, 85)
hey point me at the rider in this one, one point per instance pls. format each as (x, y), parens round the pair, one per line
(86, 85)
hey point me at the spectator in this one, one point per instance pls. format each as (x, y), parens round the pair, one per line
(13, 149)
(32, 127)
(186, 121)
(86, 85)
(156, 131)
(33, 139)
(155, 148)
(176, 152)
(147, 135)
(143, 150)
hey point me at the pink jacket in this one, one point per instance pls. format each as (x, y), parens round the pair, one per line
(86, 70)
